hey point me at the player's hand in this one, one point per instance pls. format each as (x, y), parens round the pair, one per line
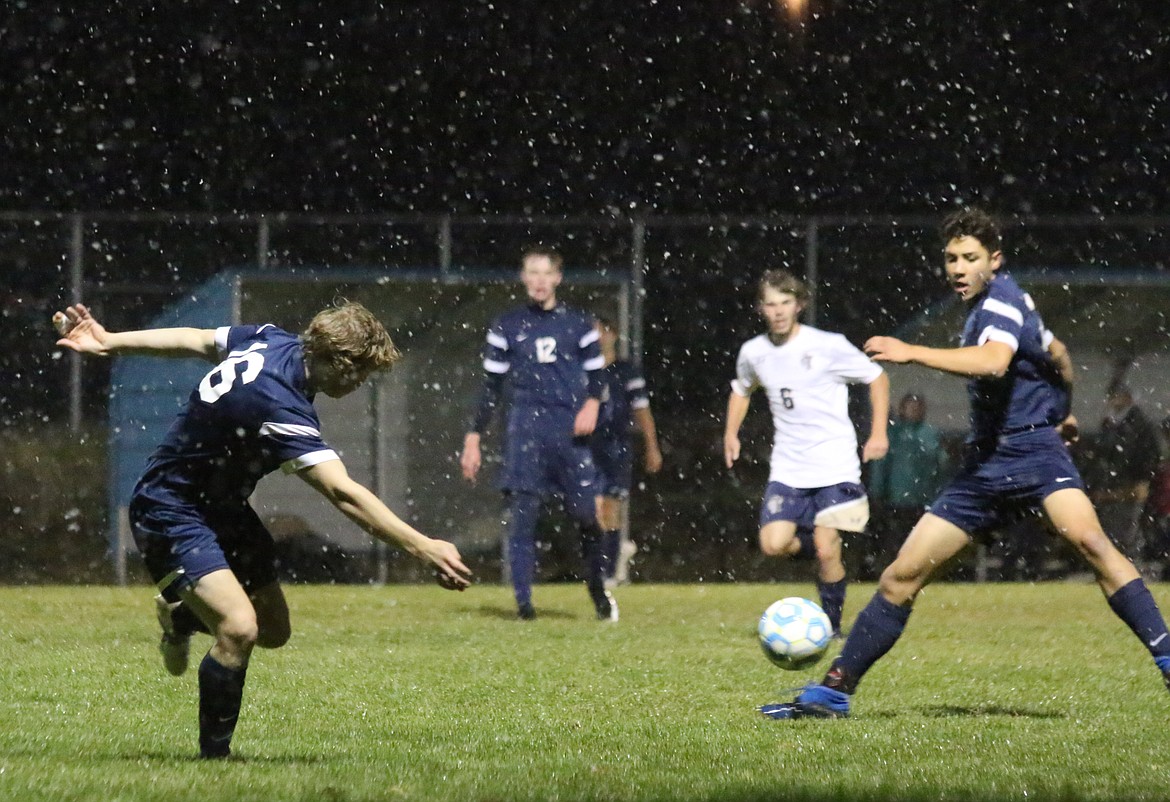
(1070, 430)
(887, 349)
(450, 572)
(652, 462)
(470, 459)
(80, 331)
(875, 448)
(730, 449)
(586, 420)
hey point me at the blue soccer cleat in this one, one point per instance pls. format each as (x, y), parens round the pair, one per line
(815, 701)
(1164, 664)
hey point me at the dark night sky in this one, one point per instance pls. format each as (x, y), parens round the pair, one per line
(595, 105)
(583, 107)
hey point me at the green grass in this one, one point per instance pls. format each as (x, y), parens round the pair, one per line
(407, 692)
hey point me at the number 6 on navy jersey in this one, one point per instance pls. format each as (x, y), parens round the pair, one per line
(222, 377)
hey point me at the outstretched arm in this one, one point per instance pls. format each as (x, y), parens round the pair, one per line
(737, 407)
(81, 332)
(1069, 428)
(878, 443)
(365, 509)
(991, 359)
(644, 420)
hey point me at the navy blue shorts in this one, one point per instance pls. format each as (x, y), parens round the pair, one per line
(542, 456)
(804, 505)
(185, 543)
(1003, 481)
(615, 467)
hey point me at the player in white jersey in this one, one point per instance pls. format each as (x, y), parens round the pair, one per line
(815, 473)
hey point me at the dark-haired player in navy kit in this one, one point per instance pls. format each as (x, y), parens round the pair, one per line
(625, 406)
(1015, 463)
(204, 546)
(549, 353)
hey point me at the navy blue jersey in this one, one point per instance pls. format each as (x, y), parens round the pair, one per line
(551, 357)
(622, 391)
(1031, 394)
(249, 415)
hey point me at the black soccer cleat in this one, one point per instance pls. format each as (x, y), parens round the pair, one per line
(1164, 664)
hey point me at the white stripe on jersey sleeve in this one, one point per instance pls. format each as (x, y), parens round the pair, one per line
(1004, 310)
(221, 335)
(308, 460)
(496, 341)
(493, 366)
(288, 429)
(739, 388)
(999, 336)
(635, 384)
(591, 337)
(597, 363)
(640, 403)
(1046, 337)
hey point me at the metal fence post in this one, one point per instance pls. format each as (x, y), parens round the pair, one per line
(76, 291)
(812, 255)
(637, 287)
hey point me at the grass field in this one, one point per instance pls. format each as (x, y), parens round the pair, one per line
(1028, 692)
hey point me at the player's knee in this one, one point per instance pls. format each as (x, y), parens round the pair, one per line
(829, 553)
(900, 582)
(1093, 544)
(238, 631)
(775, 547)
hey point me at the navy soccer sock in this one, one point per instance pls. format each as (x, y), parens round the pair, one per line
(594, 559)
(1136, 607)
(525, 510)
(874, 633)
(221, 691)
(611, 540)
(833, 600)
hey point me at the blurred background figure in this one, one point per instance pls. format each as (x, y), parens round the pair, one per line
(903, 482)
(1155, 519)
(625, 408)
(1120, 466)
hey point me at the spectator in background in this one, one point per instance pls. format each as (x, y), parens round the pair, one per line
(908, 478)
(1121, 468)
(1155, 520)
(625, 406)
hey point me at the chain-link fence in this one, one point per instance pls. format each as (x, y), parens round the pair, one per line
(693, 281)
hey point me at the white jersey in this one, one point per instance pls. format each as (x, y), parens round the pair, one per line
(806, 382)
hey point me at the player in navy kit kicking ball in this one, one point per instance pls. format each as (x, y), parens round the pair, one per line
(203, 544)
(1015, 463)
(549, 353)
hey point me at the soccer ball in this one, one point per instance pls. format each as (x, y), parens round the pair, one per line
(794, 633)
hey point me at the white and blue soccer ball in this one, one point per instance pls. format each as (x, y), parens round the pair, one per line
(794, 632)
